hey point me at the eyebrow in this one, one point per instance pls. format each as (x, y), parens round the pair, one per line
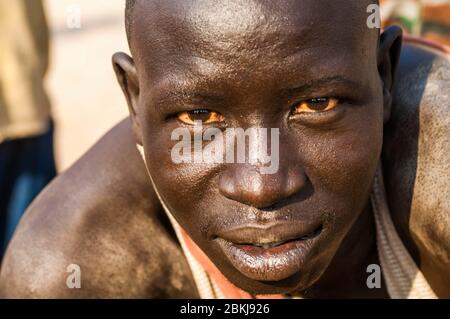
(188, 94)
(191, 94)
(337, 80)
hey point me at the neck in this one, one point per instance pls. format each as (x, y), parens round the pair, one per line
(347, 274)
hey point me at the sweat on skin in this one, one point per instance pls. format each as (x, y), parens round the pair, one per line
(325, 85)
(228, 147)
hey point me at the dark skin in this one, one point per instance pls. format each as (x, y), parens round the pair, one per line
(416, 162)
(252, 71)
(103, 211)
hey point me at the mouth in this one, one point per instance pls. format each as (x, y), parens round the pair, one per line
(268, 256)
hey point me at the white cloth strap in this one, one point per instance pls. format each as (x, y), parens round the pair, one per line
(403, 278)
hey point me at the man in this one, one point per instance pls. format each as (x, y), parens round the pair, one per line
(312, 69)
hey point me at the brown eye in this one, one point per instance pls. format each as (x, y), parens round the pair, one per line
(316, 105)
(205, 116)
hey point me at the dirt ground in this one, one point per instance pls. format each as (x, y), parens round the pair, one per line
(85, 97)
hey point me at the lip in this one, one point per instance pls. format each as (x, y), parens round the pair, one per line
(270, 253)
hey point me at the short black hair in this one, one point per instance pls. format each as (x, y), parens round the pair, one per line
(129, 17)
(129, 7)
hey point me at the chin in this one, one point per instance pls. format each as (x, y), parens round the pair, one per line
(280, 268)
(294, 284)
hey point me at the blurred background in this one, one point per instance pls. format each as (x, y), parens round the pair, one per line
(425, 18)
(58, 92)
(86, 99)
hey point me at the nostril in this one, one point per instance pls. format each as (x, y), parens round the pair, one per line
(260, 200)
(246, 185)
(270, 208)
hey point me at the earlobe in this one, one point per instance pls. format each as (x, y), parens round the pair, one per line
(388, 58)
(127, 77)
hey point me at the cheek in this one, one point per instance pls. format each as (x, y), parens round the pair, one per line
(185, 188)
(341, 163)
(347, 161)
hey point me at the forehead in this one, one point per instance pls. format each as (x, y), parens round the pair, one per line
(206, 36)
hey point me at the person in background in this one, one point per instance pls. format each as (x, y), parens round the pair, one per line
(26, 129)
(429, 19)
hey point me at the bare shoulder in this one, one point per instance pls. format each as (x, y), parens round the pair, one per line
(101, 217)
(417, 136)
(417, 159)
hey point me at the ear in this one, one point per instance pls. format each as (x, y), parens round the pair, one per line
(388, 59)
(126, 74)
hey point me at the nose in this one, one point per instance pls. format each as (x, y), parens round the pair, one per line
(246, 184)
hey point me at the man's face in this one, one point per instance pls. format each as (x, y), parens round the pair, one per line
(308, 68)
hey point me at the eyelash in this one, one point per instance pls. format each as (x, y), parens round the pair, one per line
(342, 101)
(321, 120)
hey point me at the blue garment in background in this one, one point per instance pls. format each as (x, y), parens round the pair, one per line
(26, 167)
